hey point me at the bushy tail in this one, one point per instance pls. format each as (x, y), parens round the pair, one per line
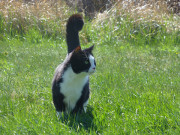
(74, 25)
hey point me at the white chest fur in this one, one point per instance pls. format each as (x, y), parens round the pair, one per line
(72, 87)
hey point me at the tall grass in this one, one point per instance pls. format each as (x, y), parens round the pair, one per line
(141, 23)
(18, 18)
(127, 20)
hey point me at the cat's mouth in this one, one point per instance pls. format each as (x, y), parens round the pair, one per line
(91, 71)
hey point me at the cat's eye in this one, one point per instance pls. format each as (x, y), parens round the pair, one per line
(86, 62)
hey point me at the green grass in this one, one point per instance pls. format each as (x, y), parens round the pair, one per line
(134, 91)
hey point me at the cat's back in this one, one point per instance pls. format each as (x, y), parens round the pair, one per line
(59, 71)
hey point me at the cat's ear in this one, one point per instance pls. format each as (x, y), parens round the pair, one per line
(89, 49)
(77, 49)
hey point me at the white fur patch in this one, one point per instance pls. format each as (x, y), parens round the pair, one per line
(72, 87)
(93, 66)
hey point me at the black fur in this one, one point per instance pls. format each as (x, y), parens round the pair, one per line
(57, 96)
(84, 97)
(74, 25)
(80, 60)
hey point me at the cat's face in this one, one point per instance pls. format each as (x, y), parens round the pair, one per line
(83, 60)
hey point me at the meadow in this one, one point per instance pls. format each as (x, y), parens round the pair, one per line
(135, 89)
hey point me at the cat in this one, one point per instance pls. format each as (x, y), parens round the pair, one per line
(70, 85)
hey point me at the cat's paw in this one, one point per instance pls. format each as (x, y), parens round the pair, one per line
(59, 114)
(85, 109)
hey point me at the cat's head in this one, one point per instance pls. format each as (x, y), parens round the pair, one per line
(83, 60)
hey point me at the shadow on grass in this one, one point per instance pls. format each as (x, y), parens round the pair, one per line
(82, 121)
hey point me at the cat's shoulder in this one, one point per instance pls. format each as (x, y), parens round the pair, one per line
(61, 68)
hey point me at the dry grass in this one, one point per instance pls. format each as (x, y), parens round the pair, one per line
(45, 15)
(49, 9)
(143, 12)
(49, 16)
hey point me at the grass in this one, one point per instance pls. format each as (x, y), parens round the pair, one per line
(134, 91)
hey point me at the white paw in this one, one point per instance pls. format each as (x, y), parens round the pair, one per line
(59, 114)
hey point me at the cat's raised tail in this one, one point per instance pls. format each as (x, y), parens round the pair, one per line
(74, 25)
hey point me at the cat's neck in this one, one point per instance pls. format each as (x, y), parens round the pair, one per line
(73, 76)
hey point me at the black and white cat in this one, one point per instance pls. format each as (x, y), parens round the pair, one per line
(70, 86)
